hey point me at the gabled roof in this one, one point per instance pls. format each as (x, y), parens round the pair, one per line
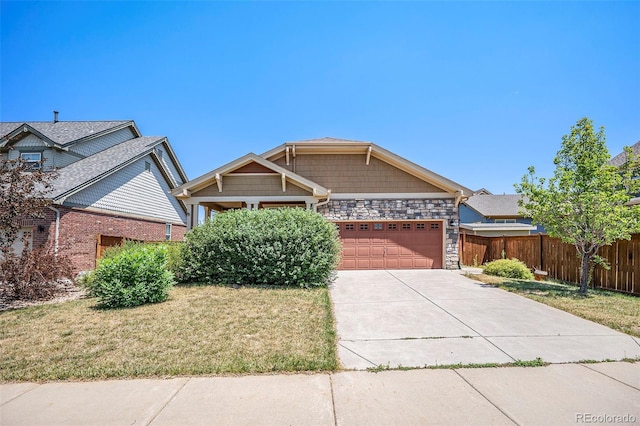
(212, 177)
(621, 158)
(85, 172)
(482, 191)
(346, 146)
(495, 205)
(61, 133)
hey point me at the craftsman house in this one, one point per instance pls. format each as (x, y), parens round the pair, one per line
(112, 183)
(391, 213)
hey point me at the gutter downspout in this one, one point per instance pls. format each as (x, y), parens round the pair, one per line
(55, 247)
(315, 208)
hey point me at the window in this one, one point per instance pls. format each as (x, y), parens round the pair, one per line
(406, 226)
(33, 159)
(377, 227)
(434, 226)
(364, 226)
(392, 226)
(167, 232)
(420, 226)
(349, 227)
(504, 221)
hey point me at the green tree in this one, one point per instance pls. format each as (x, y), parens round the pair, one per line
(584, 203)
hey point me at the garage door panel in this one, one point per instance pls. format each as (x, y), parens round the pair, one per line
(393, 251)
(377, 263)
(348, 263)
(363, 251)
(377, 251)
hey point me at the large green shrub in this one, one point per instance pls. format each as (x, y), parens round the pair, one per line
(270, 246)
(508, 268)
(130, 276)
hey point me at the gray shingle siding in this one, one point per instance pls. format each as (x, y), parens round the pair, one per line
(93, 146)
(31, 141)
(132, 190)
(171, 168)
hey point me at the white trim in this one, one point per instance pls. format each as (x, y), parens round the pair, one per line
(250, 199)
(498, 227)
(392, 196)
(251, 174)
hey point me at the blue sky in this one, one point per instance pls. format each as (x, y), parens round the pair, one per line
(475, 91)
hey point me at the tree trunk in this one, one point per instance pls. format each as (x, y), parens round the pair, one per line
(584, 272)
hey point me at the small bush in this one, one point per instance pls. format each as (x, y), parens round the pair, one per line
(273, 247)
(508, 268)
(174, 259)
(131, 276)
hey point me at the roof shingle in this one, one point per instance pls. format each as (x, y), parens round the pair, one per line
(495, 205)
(64, 132)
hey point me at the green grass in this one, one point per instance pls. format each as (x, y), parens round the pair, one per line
(538, 362)
(615, 310)
(200, 330)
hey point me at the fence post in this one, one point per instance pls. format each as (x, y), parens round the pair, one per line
(542, 265)
(504, 247)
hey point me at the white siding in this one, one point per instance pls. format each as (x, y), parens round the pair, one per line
(30, 141)
(94, 146)
(135, 191)
(166, 160)
(50, 158)
(63, 159)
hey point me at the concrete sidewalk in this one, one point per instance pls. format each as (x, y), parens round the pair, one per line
(417, 318)
(556, 394)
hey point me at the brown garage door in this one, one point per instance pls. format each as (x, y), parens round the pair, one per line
(391, 245)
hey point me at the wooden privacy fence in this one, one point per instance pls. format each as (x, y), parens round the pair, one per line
(559, 260)
(106, 241)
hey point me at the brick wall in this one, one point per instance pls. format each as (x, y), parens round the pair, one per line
(79, 231)
(398, 210)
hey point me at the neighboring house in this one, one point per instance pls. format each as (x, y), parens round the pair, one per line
(620, 159)
(112, 181)
(491, 215)
(390, 212)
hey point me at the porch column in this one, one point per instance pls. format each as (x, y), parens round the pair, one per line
(195, 214)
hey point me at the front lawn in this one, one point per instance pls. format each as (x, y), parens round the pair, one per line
(200, 330)
(615, 310)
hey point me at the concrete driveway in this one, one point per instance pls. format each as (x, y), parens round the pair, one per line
(434, 317)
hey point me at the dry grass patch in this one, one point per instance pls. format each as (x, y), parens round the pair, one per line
(200, 330)
(615, 310)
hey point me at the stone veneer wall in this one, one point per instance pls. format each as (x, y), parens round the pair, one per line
(402, 209)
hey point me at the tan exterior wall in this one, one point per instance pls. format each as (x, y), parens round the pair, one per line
(252, 186)
(348, 173)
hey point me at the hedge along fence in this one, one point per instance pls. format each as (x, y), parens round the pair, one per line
(270, 246)
(559, 260)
